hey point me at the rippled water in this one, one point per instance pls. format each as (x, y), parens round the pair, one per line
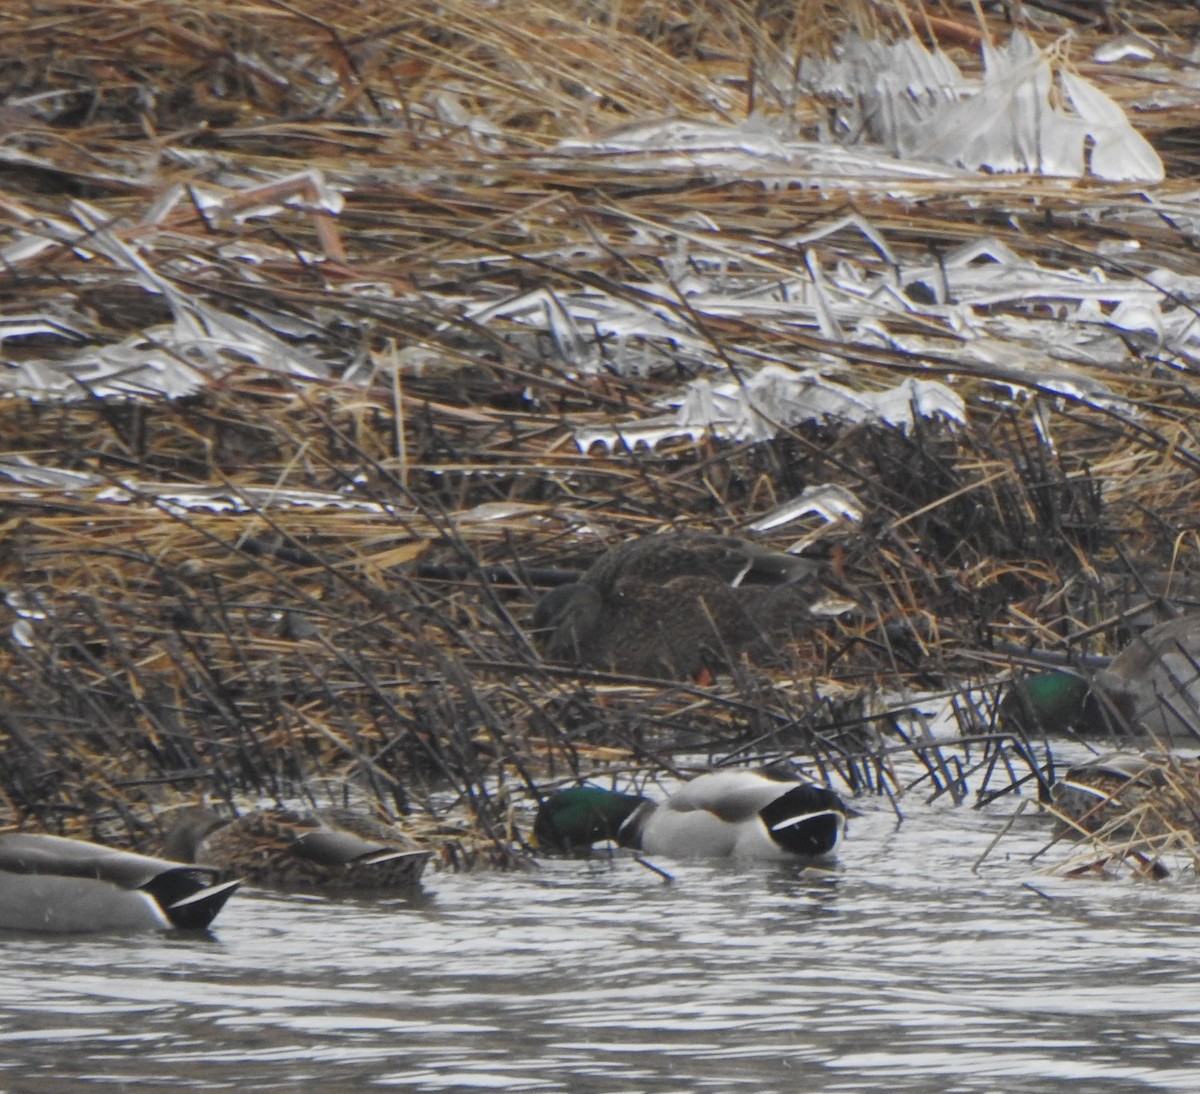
(900, 969)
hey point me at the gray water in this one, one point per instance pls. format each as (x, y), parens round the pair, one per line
(899, 969)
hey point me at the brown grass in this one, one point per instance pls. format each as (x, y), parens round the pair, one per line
(261, 647)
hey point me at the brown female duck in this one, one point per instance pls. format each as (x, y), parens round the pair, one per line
(334, 850)
(678, 605)
(1130, 795)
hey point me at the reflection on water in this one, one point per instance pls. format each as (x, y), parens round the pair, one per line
(898, 970)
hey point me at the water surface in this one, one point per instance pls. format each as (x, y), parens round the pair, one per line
(900, 969)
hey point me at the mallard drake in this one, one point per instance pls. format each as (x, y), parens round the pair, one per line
(752, 814)
(335, 849)
(677, 605)
(1152, 687)
(51, 883)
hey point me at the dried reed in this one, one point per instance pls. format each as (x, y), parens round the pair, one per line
(311, 570)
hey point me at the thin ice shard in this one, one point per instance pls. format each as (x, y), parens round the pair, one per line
(918, 104)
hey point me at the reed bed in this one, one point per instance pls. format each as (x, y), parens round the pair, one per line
(299, 556)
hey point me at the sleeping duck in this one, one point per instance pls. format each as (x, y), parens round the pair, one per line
(1129, 795)
(678, 605)
(334, 849)
(746, 814)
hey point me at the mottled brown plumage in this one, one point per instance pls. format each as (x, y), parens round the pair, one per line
(677, 605)
(335, 850)
(1130, 796)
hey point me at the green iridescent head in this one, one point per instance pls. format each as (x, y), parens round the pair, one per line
(1045, 702)
(570, 821)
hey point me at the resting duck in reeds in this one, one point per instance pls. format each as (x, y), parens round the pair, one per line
(744, 814)
(331, 850)
(1151, 688)
(676, 606)
(50, 883)
(1128, 795)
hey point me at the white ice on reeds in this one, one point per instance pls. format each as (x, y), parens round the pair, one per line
(998, 313)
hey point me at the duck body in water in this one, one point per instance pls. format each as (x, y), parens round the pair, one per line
(736, 814)
(61, 885)
(677, 605)
(1150, 689)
